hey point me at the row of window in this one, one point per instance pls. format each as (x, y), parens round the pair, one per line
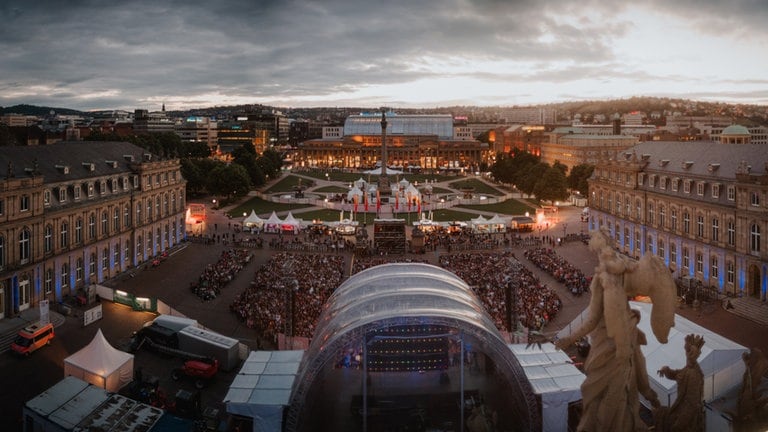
(108, 259)
(65, 236)
(714, 260)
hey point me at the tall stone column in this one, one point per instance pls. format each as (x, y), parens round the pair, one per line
(384, 188)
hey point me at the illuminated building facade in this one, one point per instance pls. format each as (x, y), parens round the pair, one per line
(571, 147)
(413, 142)
(702, 206)
(74, 214)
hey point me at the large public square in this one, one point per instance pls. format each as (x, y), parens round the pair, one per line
(170, 282)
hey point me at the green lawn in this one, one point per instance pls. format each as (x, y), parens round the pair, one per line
(262, 207)
(448, 215)
(479, 187)
(347, 177)
(288, 184)
(331, 189)
(508, 207)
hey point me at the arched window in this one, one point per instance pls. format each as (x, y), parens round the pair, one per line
(157, 207)
(165, 203)
(24, 246)
(173, 201)
(754, 238)
(78, 231)
(662, 216)
(64, 275)
(92, 226)
(104, 223)
(64, 235)
(48, 239)
(127, 216)
(48, 283)
(92, 264)
(116, 220)
(79, 269)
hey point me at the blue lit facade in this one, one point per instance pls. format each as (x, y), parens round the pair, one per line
(702, 206)
(73, 214)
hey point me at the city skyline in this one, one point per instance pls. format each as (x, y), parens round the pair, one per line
(401, 54)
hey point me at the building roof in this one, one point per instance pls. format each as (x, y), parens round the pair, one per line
(735, 129)
(673, 156)
(85, 159)
(370, 124)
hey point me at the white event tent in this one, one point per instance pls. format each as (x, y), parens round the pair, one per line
(101, 364)
(273, 224)
(253, 220)
(262, 388)
(554, 379)
(720, 358)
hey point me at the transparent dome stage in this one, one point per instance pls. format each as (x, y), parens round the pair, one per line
(409, 346)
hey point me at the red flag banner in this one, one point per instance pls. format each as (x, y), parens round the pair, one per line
(418, 209)
(378, 201)
(365, 201)
(356, 201)
(397, 201)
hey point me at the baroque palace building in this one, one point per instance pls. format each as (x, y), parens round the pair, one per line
(413, 142)
(702, 206)
(73, 214)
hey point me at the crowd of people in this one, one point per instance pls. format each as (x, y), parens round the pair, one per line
(502, 283)
(575, 281)
(305, 280)
(215, 276)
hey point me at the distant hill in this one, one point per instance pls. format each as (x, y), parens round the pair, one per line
(37, 110)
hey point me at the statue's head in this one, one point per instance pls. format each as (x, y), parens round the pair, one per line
(693, 344)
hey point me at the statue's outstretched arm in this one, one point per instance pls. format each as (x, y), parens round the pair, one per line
(593, 318)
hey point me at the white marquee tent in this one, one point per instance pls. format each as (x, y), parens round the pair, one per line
(262, 388)
(290, 223)
(720, 358)
(101, 364)
(253, 220)
(273, 224)
(554, 378)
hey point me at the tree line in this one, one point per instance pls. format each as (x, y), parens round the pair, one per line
(533, 177)
(204, 175)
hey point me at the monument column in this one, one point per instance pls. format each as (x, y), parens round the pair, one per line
(384, 189)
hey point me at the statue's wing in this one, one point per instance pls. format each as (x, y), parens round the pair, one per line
(653, 279)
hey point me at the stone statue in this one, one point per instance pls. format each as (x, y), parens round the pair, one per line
(615, 366)
(751, 398)
(687, 413)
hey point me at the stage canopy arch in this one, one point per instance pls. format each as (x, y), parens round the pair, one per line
(407, 294)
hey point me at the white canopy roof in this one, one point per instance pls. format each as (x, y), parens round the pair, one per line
(496, 220)
(378, 171)
(552, 376)
(253, 220)
(273, 219)
(100, 359)
(263, 386)
(290, 220)
(354, 191)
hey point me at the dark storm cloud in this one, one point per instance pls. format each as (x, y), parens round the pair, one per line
(93, 54)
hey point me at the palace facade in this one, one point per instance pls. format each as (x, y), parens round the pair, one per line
(413, 142)
(73, 214)
(702, 206)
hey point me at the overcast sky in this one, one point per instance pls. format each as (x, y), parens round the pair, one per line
(95, 54)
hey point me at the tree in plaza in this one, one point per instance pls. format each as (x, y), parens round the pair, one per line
(577, 179)
(501, 170)
(196, 173)
(228, 180)
(551, 186)
(271, 162)
(245, 156)
(561, 166)
(530, 177)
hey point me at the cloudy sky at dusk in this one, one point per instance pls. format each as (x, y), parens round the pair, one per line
(402, 53)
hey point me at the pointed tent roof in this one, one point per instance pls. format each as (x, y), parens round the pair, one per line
(496, 220)
(480, 220)
(354, 191)
(253, 219)
(99, 357)
(411, 189)
(290, 220)
(273, 219)
(359, 183)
